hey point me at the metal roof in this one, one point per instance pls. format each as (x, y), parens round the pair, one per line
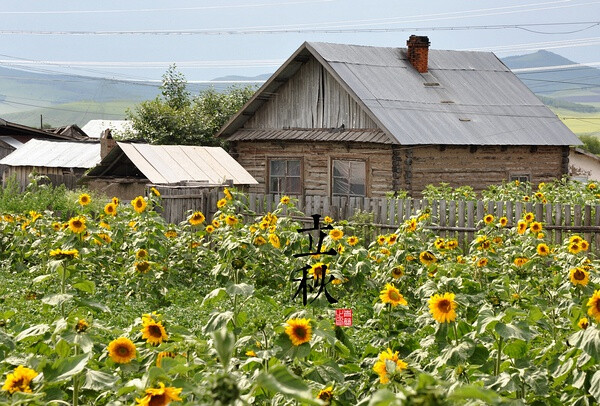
(466, 97)
(94, 128)
(54, 154)
(373, 135)
(10, 141)
(169, 164)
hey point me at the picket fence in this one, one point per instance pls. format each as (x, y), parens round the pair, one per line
(449, 219)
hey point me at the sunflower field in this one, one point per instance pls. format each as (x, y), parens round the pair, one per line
(110, 305)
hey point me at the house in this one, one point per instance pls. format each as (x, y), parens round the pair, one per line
(584, 165)
(349, 120)
(127, 168)
(64, 162)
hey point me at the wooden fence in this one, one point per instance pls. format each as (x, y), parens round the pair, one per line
(451, 219)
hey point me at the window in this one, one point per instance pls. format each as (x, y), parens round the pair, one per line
(520, 177)
(349, 178)
(285, 176)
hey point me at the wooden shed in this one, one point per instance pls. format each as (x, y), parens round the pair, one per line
(348, 120)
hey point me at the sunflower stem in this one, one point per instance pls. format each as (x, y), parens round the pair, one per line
(455, 333)
(498, 357)
(76, 384)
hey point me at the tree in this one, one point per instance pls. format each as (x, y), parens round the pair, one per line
(175, 117)
(590, 143)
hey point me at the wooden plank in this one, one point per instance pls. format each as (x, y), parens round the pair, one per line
(452, 216)
(480, 211)
(550, 234)
(470, 220)
(557, 222)
(441, 214)
(597, 223)
(587, 221)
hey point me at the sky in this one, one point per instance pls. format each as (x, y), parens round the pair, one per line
(207, 39)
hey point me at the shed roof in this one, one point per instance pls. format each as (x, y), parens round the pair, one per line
(94, 128)
(466, 97)
(170, 164)
(10, 141)
(54, 154)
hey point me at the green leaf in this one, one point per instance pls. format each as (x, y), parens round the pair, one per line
(382, 397)
(242, 289)
(517, 330)
(224, 342)
(85, 286)
(217, 320)
(6, 341)
(98, 380)
(281, 380)
(94, 305)
(65, 368)
(62, 348)
(84, 341)
(588, 340)
(516, 349)
(36, 330)
(595, 386)
(56, 299)
(41, 278)
(214, 296)
(472, 392)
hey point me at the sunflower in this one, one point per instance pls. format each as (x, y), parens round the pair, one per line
(398, 272)
(381, 239)
(209, 229)
(352, 241)
(442, 307)
(64, 254)
(584, 245)
(259, 240)
(284, 200)
(390, 294)
(526, 198)
(227, 194)
(591, 186)
(488, 219)
(77, 224)
(439, 243)
(196, 218)
(392, 238)
(103, 237)
(317, 270)
(336, 234)
(115, 200)
(410, 225)
(579, 276)
(34, 215)
(274, 240)
(451, 244)
(326, 395)
(82, 326)
(139, 204)
(503, 221)
(574, 248)
(535, 227)
(328, 220)
(299, 331)
(385, 251)
(427, 258)
(84, 199)
(520, 261)
(121, 350)
(481, 262)
(575, 239)
(543, 249)
(583, 323)
(221, 203)
(216, 223)
(594, 305)
(141, 254)
(110, 209)
(142, 266)
(155, 191)
(521, 226)
(161, 396)
(19, 380)
(56, 226)
(231, 220)
(153, 332)
(170, 233)
(529, 217)
(164, 354)
(386, 358)
(104, 225)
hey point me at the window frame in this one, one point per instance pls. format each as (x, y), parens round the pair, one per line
(268, 176)
(365, 162)
(520, 176)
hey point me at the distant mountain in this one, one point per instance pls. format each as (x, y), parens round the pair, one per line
(236, 78)
(579, 84)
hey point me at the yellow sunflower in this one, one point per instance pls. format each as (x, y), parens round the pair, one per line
(196, 218)
(155, 191)
(576, 239)
(115, 200)
(584, 245)
(284, 200)
(227, 194)
(84, 199)
(259, 240)
(64, 254)
(521, 226)
(583, 323)
(591, 186)
(122, 350)
(579, 276)
(110, 209)
(231, 220)
(104, 225)
(142, 266)
(326, 395)
(594, 306)
(164, 354)
(274, 240)
(160, 396)
(317, 270)
(390, 294)
(170, 233)
(503, 221)
(481, 262)
(153, 332)
(427, 258)
(574, 248)
(141, 254)
(216, 223)
(139, 204)
(299, 331)
(381, 239)
(221, 203)
(381, 366)
(488, 219)
(77, 224)
(352, 241)
(520, 261)
(328, 220)
(543, 249)
(392, 238)
(336, 234)
(209, 229)
(439, 243)
(535, 227)
(103, 237)
(451, 244)
(19, 380)
(82, 326)
(442, 307)
(529, 217)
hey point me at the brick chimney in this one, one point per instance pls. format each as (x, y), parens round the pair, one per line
(106, 143)
(418, 52)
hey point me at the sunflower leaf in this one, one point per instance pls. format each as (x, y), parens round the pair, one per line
(223, 341)
(56, 299)
(36, 330)
(65, 368)
(242, 289)
(281, 380)
(214, 296)
(98, 380)
(85, 286)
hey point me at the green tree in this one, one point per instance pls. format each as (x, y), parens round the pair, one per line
(590, 143)
(175, 117)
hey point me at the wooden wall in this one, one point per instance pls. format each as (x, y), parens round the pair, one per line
(312, 98)
(316, 163)
(409, 168)
(57, 176)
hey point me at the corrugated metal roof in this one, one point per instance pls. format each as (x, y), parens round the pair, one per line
(54, 154)
(168, 164)
(311, 135)
(11, 141)
(466, 98)
(94, 128)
